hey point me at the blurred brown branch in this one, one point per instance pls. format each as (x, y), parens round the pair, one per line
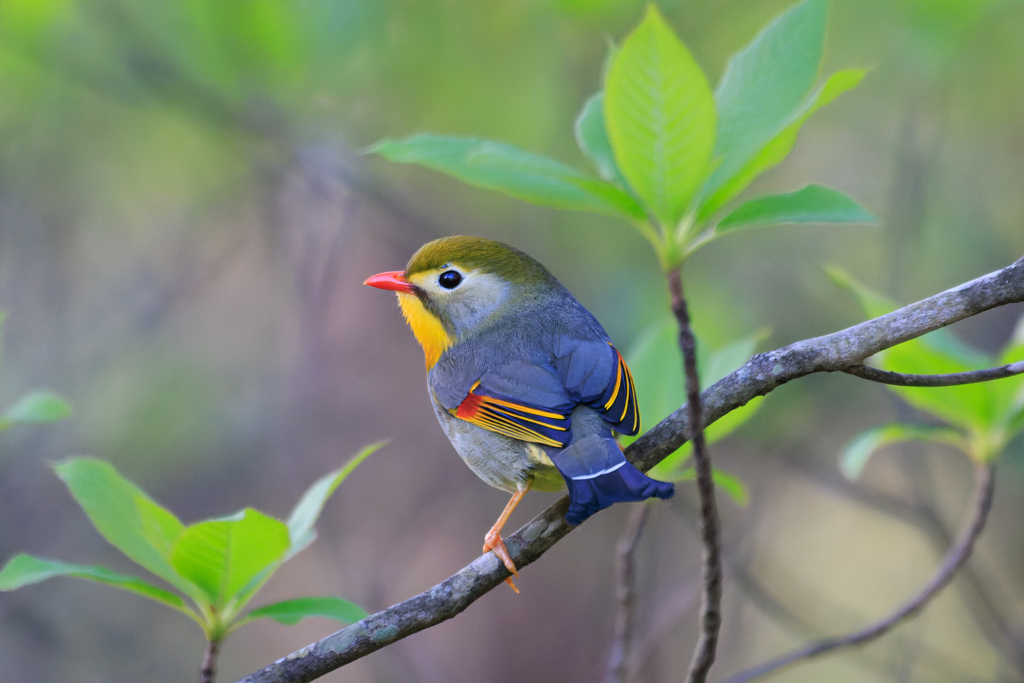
(762, 374)
(986, 610)
(955, 558)
(625, 595)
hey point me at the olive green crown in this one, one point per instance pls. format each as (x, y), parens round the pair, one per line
(480, 253)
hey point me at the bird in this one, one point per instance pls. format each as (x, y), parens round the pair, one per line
(523, 379)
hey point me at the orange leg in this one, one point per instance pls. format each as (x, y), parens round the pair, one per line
(493, 542)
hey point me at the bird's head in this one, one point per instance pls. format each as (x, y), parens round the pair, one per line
(455, 286)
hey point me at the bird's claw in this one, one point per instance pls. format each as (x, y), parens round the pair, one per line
(495, 544)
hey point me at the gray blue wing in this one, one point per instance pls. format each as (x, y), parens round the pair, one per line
(594, 373)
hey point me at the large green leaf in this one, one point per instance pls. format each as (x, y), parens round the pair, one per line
(222, 556)
(25, 570)
(857, 452)
(307, 510)
(660, 117)
(812, 204)
(498, 166)
(291, 612)
(781, 144)
(764, 84)
(592, 137)
(126, 516)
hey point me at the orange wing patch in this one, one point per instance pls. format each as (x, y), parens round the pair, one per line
(513, 419)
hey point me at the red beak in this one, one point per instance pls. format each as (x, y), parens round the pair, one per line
(393, 280)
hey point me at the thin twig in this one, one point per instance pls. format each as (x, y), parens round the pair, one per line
(209, 668)
(950, 380)
(711, 571)
(761, 375)
(955, 558)
(625, 595)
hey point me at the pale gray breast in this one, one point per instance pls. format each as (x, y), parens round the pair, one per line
(501, 461)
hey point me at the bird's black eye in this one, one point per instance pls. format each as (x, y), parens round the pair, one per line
(450, 279)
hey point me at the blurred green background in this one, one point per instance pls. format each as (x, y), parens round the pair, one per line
(185, 223)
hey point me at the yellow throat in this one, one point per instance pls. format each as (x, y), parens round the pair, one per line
(427, 329)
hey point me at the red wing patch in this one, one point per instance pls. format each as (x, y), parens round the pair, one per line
(517, 420)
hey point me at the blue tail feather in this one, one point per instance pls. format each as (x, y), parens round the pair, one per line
(598, 476)
(625, 484)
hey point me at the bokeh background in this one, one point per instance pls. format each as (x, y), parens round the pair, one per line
(185, 223)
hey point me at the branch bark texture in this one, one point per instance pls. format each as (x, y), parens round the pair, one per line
(762, 374)
(954, 559)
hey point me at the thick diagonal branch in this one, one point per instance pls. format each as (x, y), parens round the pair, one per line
(763, 373)
(954, 560)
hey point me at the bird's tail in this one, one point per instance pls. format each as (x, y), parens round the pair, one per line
(598, 475)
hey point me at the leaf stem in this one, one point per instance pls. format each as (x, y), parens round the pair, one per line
(711, 573)
(954, 560)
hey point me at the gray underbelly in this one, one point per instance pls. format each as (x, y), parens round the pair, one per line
(501, 461)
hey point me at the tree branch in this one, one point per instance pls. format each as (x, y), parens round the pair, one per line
(955, 558)
(950, 380)
(763, 373)
(711, 569)
(625, 595)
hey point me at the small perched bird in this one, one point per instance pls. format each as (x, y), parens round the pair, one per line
(523, 379)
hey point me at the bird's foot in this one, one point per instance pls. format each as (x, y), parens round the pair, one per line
(494, 543)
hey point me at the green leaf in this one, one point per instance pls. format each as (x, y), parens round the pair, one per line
(291, 612)
(222, 556)
(126, 516)
(37, 407)
(812, 204)
(307, 510)
(1009, 392)
(592, 137)
(968, 406)
(25, 570)
(764, 84)
(729, 483)
(856, 454)
(780, 145)
(498, 166)
(660, 117)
